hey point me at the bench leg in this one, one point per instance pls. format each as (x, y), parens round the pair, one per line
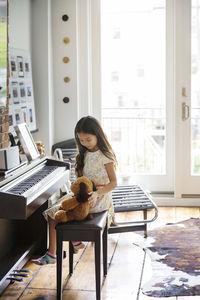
(71, 257)
(98, 266)
(105, 251)
(145, 218)
(59, 260)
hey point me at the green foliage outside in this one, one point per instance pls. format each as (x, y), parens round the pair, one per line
(3, 58)
(196, 169)
(3, 45)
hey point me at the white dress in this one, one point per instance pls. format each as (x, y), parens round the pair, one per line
(94, 169)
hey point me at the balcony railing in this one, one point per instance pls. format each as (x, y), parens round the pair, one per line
(138, 139)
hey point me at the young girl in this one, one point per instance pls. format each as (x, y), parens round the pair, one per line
(95, 160)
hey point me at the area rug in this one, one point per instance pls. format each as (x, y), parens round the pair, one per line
(174, 250)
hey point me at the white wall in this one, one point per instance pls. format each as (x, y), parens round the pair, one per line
(65, 114)
(37, 26)
(81, 31)
(41, 48)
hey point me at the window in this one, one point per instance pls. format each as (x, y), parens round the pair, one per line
(138, 116)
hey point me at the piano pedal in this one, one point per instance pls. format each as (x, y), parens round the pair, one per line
(19, 274)
(13, 279)
(15, 276)
(22, 270)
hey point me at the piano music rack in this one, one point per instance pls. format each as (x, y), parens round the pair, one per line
(125, 198)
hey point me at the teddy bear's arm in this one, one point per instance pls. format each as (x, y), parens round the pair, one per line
(69, 203)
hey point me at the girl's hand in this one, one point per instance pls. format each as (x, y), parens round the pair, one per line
(93, 199)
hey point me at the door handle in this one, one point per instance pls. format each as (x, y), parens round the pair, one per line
(185, 111)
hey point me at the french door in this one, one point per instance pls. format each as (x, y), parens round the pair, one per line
(188, 99)
(150, 59)
(137, 94)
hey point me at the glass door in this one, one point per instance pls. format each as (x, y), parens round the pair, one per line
(189, 123)
(137, 90)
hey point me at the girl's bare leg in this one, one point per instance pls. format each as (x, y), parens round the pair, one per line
(50, 255)
(52, 239)
(52, 236)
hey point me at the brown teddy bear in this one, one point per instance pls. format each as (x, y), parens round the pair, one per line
(76, 207)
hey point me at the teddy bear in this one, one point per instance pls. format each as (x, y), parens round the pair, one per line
(77, 206)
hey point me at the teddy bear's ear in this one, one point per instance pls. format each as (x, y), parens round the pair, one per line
(93, 186)
(75, 186)
(82, 195)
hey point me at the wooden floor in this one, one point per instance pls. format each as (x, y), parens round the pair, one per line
(128, 268)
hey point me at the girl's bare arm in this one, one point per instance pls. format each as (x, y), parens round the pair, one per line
(108, 187)
(112, 178)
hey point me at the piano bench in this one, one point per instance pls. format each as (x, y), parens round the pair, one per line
(91, 230)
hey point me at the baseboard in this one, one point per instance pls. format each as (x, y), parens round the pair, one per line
(171, 201)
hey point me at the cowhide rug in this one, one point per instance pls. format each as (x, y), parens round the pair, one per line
(174, 250)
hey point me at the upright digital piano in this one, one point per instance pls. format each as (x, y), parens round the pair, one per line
(24, 196)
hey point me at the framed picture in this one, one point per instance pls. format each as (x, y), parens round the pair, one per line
(24, 114)
(14, 92)
(22, 92)
(13, 67)
(20, 66)
(28, 91)
(27, 70)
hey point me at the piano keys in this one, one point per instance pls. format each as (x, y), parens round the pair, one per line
(24, 192)
(23, 197)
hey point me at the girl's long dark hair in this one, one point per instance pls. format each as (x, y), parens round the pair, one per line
(91, 126)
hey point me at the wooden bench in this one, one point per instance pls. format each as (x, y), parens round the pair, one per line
(90, 230)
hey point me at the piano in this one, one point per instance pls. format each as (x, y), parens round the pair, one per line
(24, 196)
